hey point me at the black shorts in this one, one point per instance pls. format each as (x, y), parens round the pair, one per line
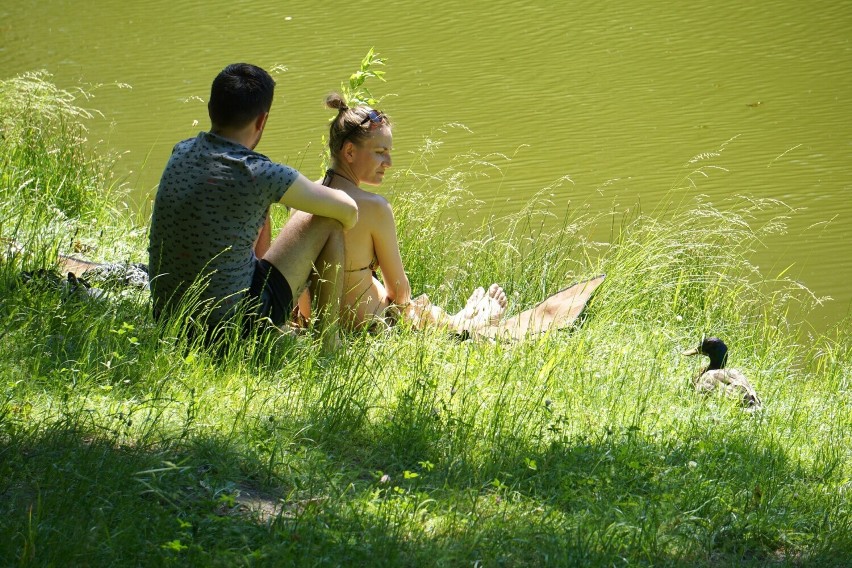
(271, 293)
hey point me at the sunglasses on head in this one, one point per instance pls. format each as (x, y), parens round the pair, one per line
(374, 116)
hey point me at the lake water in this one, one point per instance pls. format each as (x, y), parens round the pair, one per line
(619, 99)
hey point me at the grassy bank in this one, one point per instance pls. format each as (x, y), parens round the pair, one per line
(123, 445)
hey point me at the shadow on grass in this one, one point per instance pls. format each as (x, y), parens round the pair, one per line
(711, 495)
(69, 497)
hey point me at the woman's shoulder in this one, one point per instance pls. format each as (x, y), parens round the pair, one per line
(373, 202)
(375, 213)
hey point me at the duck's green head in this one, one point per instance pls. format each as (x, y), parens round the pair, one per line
(714, 348)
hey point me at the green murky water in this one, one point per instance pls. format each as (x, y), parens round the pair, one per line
(619, 100)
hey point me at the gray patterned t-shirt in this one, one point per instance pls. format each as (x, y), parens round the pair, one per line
(210, 206)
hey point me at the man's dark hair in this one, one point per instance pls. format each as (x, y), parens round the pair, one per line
(240, 93)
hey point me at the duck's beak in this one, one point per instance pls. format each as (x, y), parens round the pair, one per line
(690, 352)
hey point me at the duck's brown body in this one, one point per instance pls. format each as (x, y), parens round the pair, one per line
(715, 376)
(735, 384)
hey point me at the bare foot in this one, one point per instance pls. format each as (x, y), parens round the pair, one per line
(493, 305)
(487, 310)
(459, 320)
(471, 306)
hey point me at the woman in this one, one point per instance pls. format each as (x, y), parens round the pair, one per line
(360, 145)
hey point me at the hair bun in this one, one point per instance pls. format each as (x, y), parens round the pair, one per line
(335, 101)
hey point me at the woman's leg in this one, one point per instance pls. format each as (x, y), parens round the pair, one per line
(310, 247)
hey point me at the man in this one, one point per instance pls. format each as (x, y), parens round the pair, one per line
(210, 249)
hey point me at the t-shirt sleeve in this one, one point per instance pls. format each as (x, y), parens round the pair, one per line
(275, 177)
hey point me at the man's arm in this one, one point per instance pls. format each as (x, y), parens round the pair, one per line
(318, 199)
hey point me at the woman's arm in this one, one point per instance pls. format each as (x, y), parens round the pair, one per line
(386, 245)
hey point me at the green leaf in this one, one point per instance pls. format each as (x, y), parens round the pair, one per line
(175, 545)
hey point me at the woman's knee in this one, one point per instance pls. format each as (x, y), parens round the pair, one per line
(323, 223)
(306, 228)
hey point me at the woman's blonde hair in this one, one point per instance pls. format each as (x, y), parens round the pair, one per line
(353, 124)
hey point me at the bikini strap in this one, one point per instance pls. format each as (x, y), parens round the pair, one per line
(329, 175)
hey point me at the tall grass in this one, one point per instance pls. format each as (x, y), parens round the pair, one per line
(123, 443)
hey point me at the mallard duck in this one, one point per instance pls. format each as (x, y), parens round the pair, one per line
(715, 374)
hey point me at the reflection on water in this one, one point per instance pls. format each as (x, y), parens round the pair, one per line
(618, 101)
